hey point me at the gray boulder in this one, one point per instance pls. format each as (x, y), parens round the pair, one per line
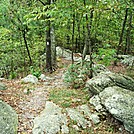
(65, 53)
(120, 103)
(126, 59)
(108, 79)
(2, 86)
(51, 121)
(30, 79)
(8, 119)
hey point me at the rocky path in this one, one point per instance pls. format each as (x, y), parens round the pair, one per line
(29, 99)
(35, 102)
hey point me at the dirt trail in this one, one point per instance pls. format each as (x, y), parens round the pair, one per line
(29, 100)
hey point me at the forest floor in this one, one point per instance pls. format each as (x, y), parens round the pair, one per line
(29, 100)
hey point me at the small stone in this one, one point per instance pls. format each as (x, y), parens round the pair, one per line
(30, 79)
(95, 118)
(76, 127)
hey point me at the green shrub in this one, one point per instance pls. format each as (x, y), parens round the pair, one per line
(35, 72)
(76, 75)
(106, 55)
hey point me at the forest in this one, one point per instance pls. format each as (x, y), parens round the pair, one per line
(66, 66)
(31, 30)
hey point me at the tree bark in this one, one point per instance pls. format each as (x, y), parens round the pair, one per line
(73, 38)
(48, 47)
(26, 45)
(88, 45)
(128, 35)
(122, 32)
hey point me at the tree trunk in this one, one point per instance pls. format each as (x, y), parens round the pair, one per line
(53, 49)
(73, 38)
(122, 32)
(48, 48)
(26, 45)
(128, 35)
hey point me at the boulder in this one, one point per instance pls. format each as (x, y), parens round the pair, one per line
(108, 79)
(50, 121)
(42, 77)
(120, 103)
(2, 86)
(126, 59)
(65, 53)
(99, 68)
(30, 79)
(99, 83)
(8, 119)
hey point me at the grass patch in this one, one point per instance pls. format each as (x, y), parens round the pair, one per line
(69, 97)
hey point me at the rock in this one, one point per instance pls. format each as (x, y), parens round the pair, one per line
(42, 77)
(99, 68)
(95, 118)
(78, 117)
(127, 59)
(95, 100)
(98, 83)
(2, 86)
(2, 79)
(30, 79)
(84, 109)
(120, 103)
(122, 81)
(50, 121)
(8, 119)
(108, 79)
(63, 52)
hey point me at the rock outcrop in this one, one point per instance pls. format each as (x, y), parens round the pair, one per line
(119, 102)
(126, 59)
(51, 121)
(8, 119)
(114, 93)
(109, 79)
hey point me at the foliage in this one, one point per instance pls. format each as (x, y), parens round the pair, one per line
(30, 17)
(36, 72)
(76, 75)
(106, 55)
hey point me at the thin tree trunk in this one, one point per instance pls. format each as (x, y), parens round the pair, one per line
(122, 32)
(88, 45)
(53, 49)
(128, 36)
(26, 45)
(73, 38)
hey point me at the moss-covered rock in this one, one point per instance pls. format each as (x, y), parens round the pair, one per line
(2, 86)
(8, 119)
(120, 103)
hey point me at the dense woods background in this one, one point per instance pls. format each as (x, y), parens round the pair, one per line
(30, 30)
